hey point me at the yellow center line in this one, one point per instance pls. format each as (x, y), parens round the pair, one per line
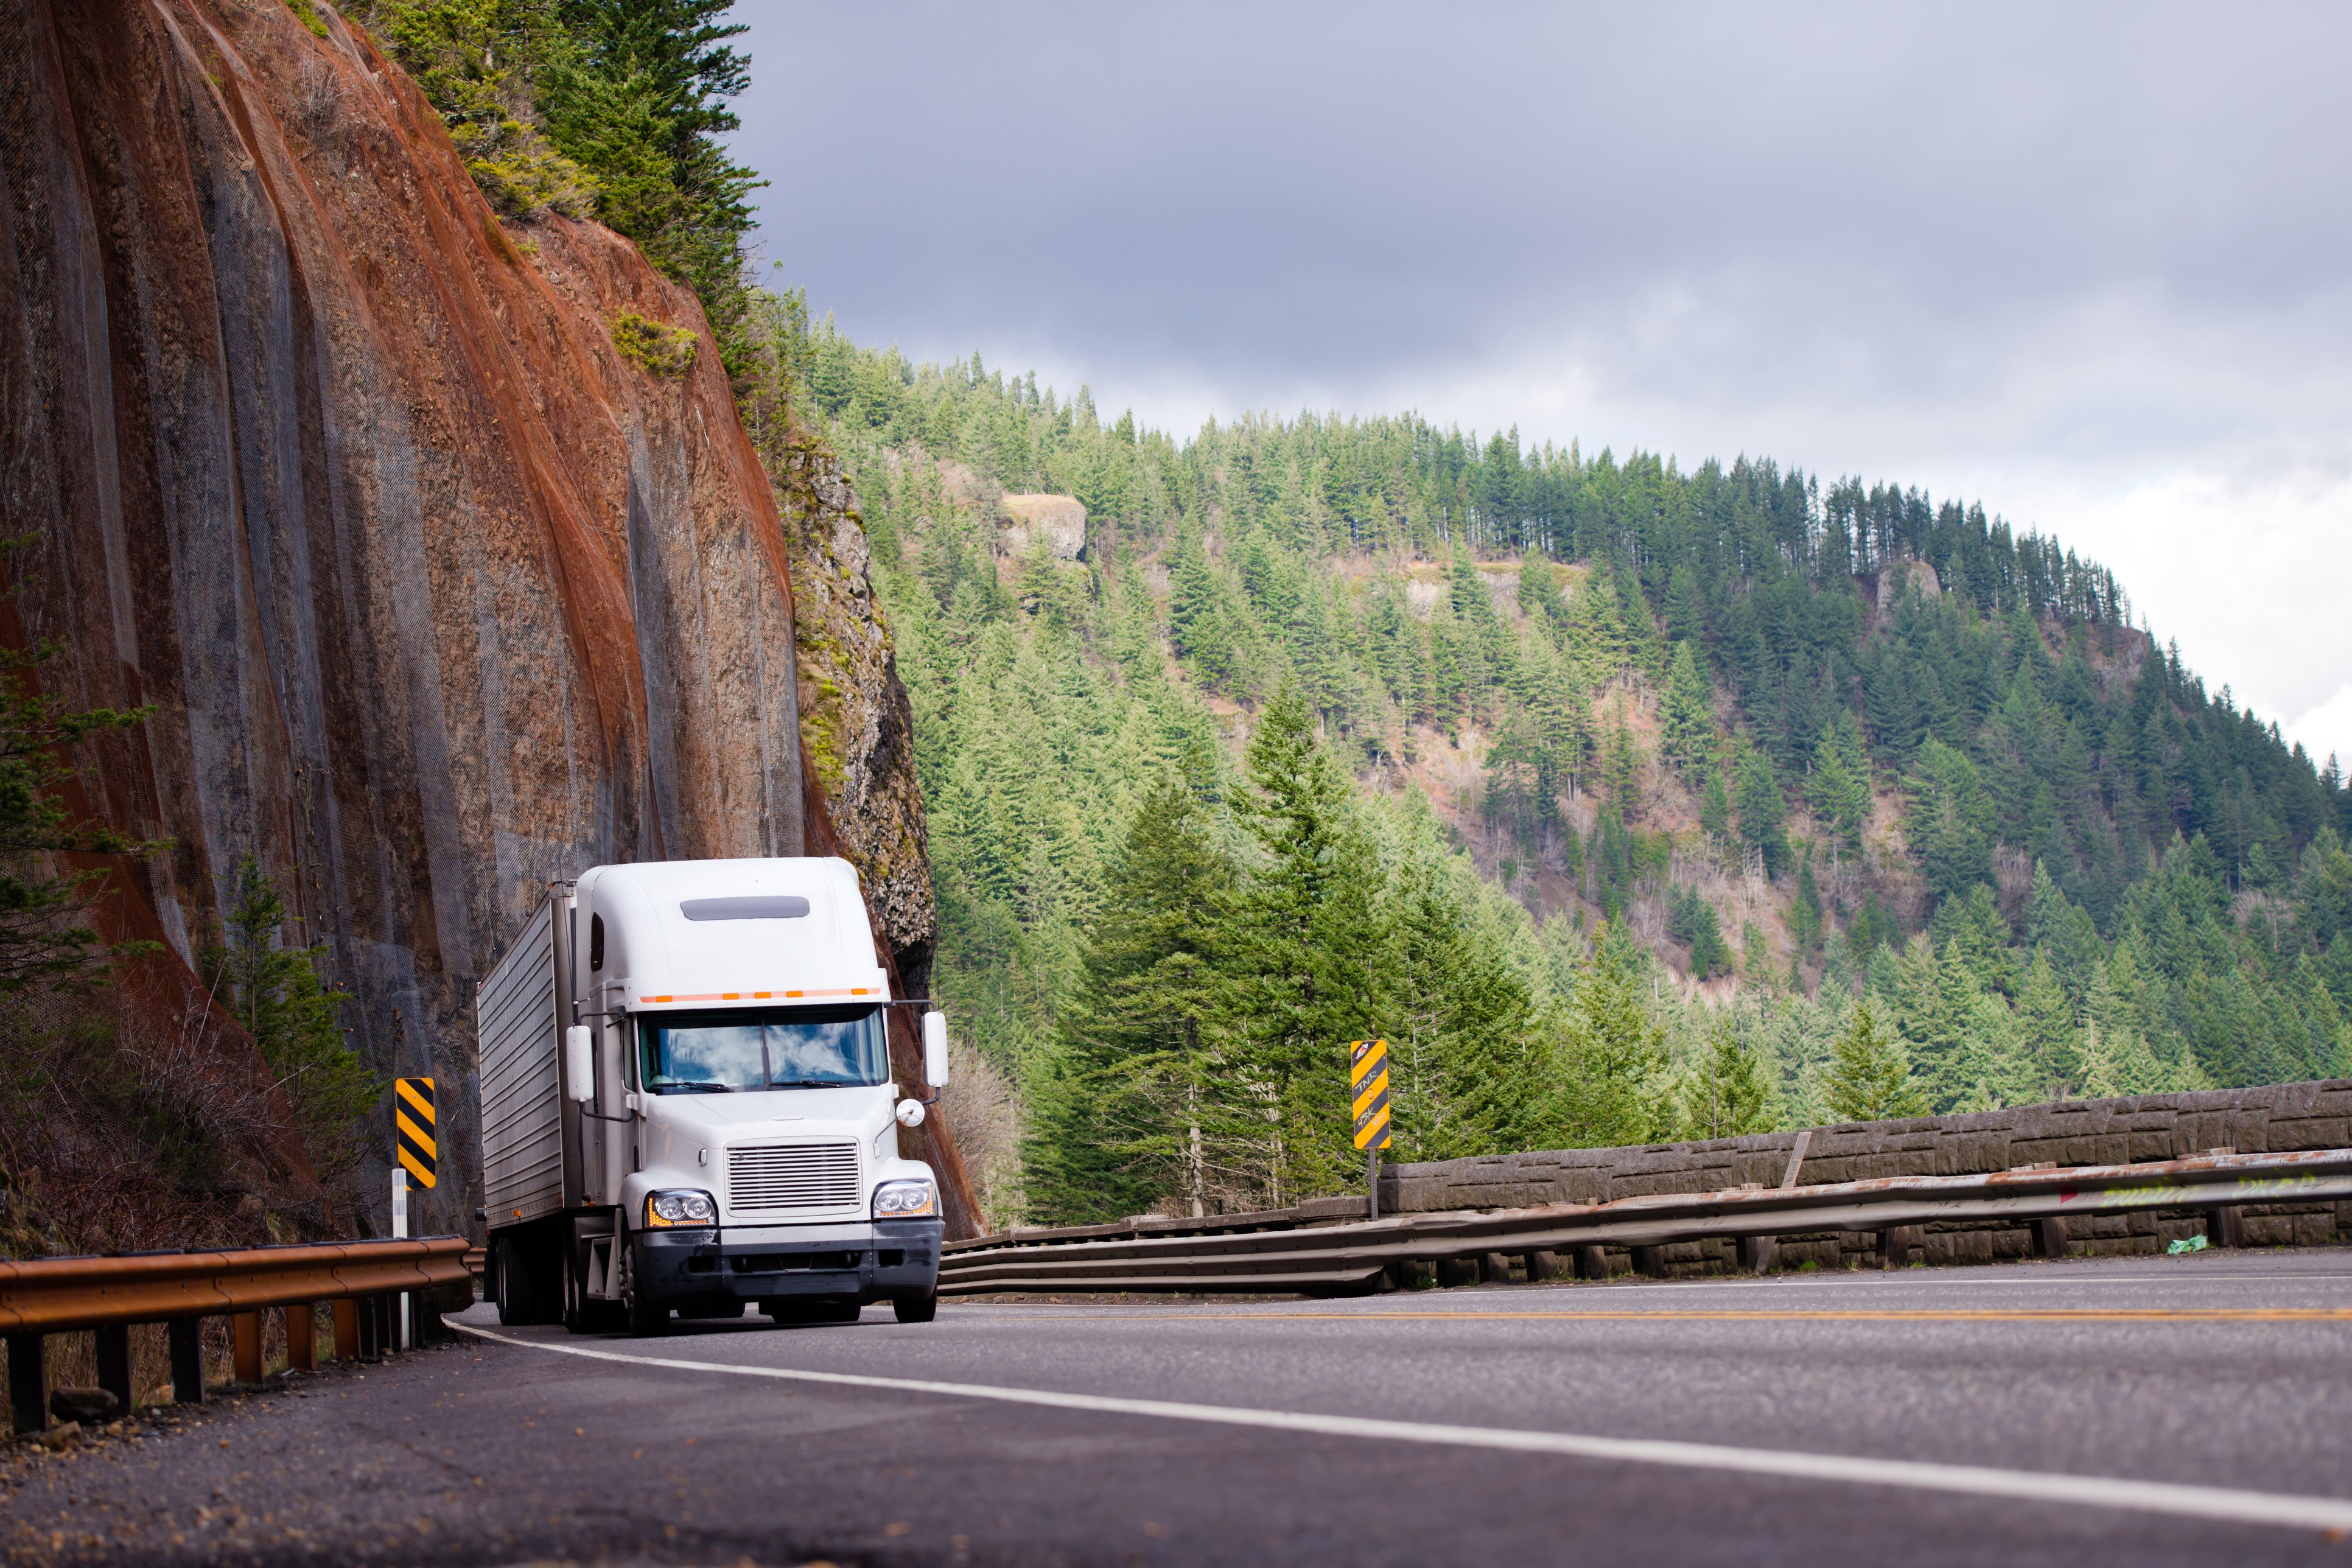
(1887, 1315)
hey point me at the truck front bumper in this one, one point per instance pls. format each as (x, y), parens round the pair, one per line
(876, 1262)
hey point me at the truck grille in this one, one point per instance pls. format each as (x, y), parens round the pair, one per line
(792, 1176)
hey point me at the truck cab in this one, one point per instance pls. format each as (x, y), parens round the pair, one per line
(725, 1117)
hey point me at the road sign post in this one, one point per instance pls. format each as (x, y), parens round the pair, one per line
(415, 1148)
(1368, 1084)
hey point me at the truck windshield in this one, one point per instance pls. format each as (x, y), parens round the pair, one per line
(789, 1048)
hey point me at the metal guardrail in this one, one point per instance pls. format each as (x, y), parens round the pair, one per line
(56, 1295)
(1302, 1251)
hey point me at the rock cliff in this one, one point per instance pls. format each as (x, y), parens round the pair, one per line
(436, 593)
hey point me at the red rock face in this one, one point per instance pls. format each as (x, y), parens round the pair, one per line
(436, 596)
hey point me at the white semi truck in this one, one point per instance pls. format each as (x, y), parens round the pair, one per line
(687, 1104)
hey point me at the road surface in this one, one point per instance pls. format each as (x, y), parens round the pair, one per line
(2143, 1411)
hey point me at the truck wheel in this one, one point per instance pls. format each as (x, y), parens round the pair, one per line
(583, 1314)
(516, 1306)
(575, 1298)
(916, 1309)
(646, 1318)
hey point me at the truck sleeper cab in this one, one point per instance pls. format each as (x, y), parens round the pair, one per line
(687, 1104)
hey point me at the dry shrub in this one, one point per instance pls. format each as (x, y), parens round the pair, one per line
(117, 1134)
(983, 1111)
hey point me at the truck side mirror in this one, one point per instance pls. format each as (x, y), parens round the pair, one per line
(580, 1063)
(935, 1049)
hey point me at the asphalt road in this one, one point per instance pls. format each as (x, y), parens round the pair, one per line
(1737, 1422)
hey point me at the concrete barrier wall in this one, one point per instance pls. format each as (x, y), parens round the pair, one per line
(2271, 1120)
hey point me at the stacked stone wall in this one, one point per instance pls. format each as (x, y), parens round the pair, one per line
(2275, 1118)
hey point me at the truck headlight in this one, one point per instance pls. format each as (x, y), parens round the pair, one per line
(904, 1200)
(681, 1206)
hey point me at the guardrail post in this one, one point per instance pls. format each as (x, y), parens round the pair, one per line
(1896, 1244)
(114, 1363)
(1543, 1266)
(2228, 1227)
(29, 1382)
(1592, 1263)
(185, 1337)
(1758, 1253)
(369, 1310)
(302, 1338)
(2050, 1237)
(245, 1346)
(1494, 1268)
(1650, 1261)
(347, 1329)
(1453, 1272)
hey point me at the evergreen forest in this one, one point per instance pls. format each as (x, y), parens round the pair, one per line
(1629, 802)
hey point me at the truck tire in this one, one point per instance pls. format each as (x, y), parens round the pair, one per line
(647, 1319)
(517, 1302)
(916, 1309)
(583, 1314)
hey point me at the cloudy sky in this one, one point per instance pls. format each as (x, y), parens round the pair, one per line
(2092, 266)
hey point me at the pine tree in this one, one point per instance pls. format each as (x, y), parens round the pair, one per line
(1686, 607)
(1197, 615)
(1116, 1121)
(1621, 765)
(1714, 807)
(1762, 811)
(1869, 1079)
(1309, 949)
(1805, 909)
(1471, 1074)
(1593, 632)
(2116, 1055)
(1950, 820)
(1728, 1094)
(1839, 789)
(1999, 1069)
(2051, 1036)
(1688, 715)
(296, 1018)
(1611, 1050)
(2056, 928)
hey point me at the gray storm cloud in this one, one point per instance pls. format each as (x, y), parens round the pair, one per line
(2060, 255)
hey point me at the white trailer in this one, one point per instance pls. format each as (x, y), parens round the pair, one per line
(687, 1104)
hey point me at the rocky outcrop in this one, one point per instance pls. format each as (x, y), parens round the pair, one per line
(436, 594)
(1897, 579)
(1059, 521)
(856, 723)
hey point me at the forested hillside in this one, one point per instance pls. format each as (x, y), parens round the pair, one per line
(1629, 801)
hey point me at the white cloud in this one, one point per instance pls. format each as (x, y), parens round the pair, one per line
(2326, 730)
(2243, 563)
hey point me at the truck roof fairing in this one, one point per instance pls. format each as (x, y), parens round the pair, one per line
(705, 933)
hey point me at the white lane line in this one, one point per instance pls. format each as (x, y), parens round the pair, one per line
(2332, 1514)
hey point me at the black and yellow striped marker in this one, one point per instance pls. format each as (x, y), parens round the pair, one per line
(414, 1138)
(1368, 1081)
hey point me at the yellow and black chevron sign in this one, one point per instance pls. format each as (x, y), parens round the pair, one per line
(415, 1140)
(1368, 1081)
